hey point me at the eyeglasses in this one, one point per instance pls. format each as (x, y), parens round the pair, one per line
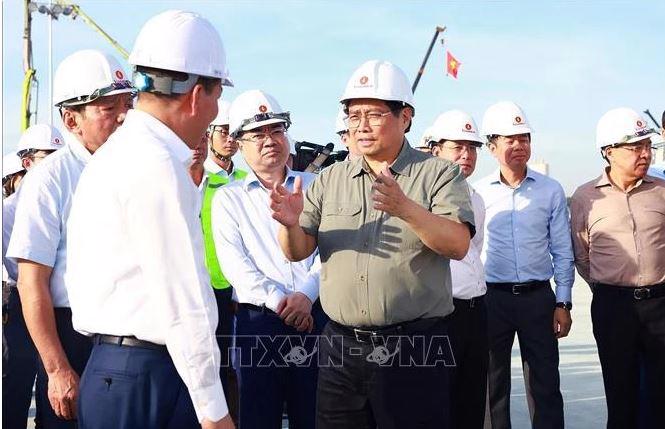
(260, 138)
(374, 119)
(223, 130)
(636, 148)
(459, 148)
(101, 92)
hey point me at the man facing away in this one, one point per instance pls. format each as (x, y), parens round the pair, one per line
(139, 285)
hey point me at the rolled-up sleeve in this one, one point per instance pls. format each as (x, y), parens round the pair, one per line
(451, 198)
(310, 218)
(37, 226)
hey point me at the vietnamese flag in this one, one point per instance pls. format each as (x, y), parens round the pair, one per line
(452, 65)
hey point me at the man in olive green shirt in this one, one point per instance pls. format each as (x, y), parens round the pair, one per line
(386, 225)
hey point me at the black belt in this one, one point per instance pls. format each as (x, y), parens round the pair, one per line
(128, 341)
(365, 334)
(258, 308)
(636, 293)
(520, 288)
(470, 303)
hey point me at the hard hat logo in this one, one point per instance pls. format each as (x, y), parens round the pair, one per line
(640, 124)
(263, 108)
(56, 140)
(468, 127)
(119, 74)
(363, 80)
(518, 120)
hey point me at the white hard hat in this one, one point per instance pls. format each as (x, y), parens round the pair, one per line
(222, 113)
(340, 125)
(622, 125)
(426, 138)
(39, 137)
(179, 41)
(455, 125)
(11, 164)
(505, 118)
(87, 75)
(254, 109)
(379, 80)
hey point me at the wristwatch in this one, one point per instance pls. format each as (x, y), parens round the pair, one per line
(566, 304)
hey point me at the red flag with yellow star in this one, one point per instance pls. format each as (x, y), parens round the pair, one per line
(452, 65)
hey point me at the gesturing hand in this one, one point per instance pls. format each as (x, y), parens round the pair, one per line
(286, 206)
(387, 195)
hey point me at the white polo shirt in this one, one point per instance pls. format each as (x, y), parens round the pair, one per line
(252, 259)
(44, 202)
(468, 275)
(137, 258)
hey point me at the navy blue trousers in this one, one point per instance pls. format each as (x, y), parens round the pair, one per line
(77, 348)
(276, 366)
(20, 366)
(133, 387)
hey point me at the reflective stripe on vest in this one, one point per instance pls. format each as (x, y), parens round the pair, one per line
(214, 182)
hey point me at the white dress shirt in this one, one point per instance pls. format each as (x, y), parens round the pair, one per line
(44, 202)
(468, 275)
(250, 255)
(210, 166)
(137, 258)
(9, 266)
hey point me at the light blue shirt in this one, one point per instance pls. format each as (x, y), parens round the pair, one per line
(42, 210)
(8, 215)
(249, 254)
(527, 232)
(657, 171)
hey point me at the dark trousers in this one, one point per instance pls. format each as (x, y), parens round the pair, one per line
(224, 333)
(530, 315)
(20, 366)
(133, 387)
(276, 365)
(627, 332)
(371, 384)
(77, 347)
(468, 337)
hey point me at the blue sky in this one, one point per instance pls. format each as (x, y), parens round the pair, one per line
(565, 62)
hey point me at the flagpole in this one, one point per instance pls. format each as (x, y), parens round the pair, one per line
(429, 51)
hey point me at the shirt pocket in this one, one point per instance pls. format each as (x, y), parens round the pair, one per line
(340, 215)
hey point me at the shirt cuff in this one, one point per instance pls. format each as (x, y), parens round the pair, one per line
(274, 299)
(564, 294)
(310, 288)
(210, 403)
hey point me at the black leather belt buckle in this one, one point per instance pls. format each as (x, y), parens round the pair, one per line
(641, 293)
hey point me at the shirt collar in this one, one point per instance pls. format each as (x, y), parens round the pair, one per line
(251, 180)
(604, 180)
(496, 176)
(402, 164)
(165, 135)
(77, 148)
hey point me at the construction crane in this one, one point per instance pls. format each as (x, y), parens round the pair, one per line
(421, 70)
(30, 81)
